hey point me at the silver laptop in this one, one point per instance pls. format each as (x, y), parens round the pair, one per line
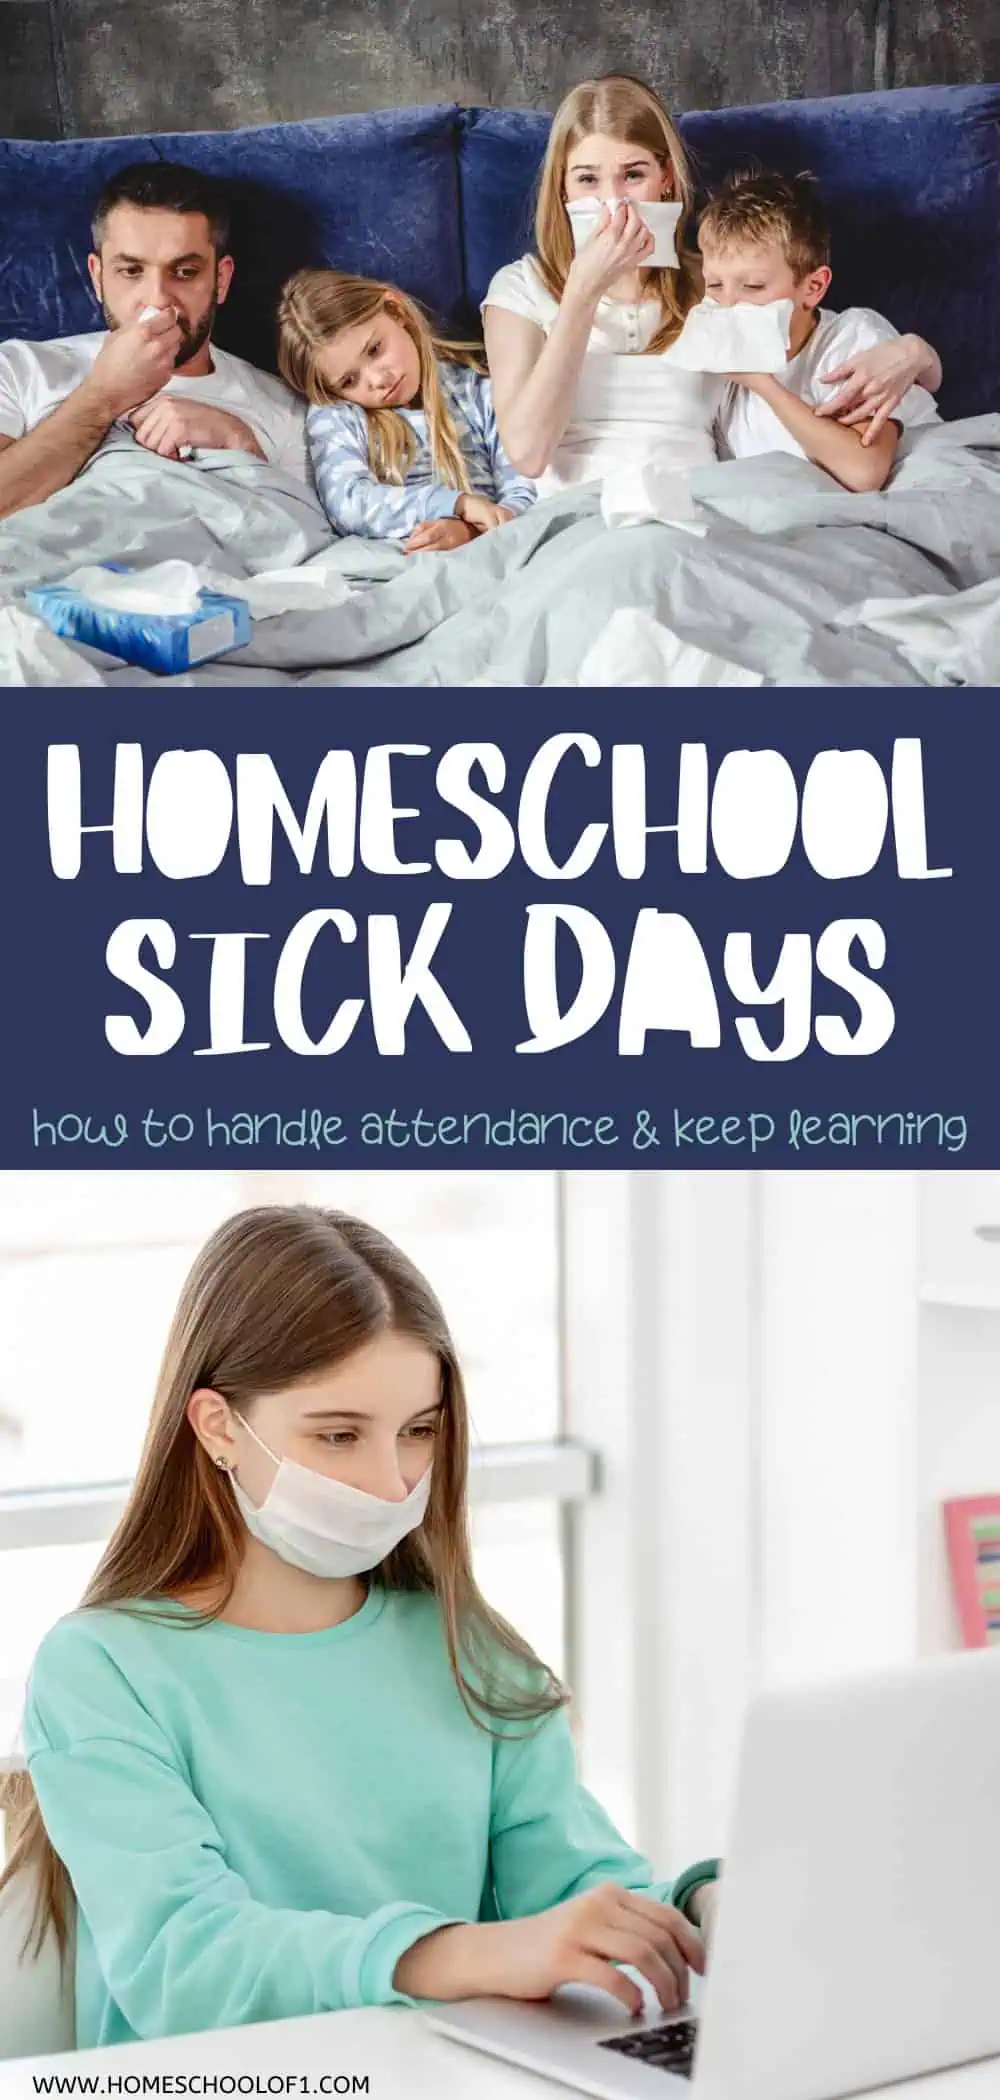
(856, 1941)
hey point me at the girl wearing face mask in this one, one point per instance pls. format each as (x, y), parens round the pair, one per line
(284, 1755)
(572, 335)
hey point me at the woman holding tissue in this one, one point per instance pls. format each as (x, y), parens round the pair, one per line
(284, 1755)
(559, 325)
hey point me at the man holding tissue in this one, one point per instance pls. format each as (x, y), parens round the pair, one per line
(160, 270)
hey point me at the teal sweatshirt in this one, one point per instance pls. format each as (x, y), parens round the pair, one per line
(258, 1825)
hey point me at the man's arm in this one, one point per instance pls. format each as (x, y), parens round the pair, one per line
(48, 457)
(131, 365)
(834, 446)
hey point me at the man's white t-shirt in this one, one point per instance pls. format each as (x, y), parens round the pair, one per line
(627, 406)
(747, 425)
(36, 378)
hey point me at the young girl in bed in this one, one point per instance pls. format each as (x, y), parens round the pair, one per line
(285, 1757)
(572, 338)
(401, 430)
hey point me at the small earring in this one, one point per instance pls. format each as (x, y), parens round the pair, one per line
(222, 1463)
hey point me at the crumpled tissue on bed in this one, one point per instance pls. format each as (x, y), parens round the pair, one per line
(951, 639)
(311, 588)
(635, 649)
(740, 338)
(30, 654)
(647, 491)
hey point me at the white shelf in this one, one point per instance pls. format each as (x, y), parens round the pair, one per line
(959, 1258)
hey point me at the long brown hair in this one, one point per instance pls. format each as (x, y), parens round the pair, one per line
(616, 107)
(277, 1295)
(315, 306)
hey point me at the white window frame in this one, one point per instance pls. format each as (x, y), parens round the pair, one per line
(665, 1607)
(561, 1471)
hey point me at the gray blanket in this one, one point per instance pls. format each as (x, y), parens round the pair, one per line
(786, 552)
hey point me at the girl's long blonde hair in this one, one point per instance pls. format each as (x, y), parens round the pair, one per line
(315, 305)
(278, 1295)
(616, 107)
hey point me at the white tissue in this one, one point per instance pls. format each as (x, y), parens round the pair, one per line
(166, 587)
(740, 338)
(661, 219)
(30, 654)
(948, 640)
(317, 586)
(642, 491)
(635, 649)
(174, 587)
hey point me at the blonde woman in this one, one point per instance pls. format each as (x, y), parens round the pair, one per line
(572, 338)
(401, 432)
(284, 1755)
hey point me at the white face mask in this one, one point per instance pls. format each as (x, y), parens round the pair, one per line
(322, 1525)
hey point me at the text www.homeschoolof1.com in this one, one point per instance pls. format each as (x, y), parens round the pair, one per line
(122, 2085)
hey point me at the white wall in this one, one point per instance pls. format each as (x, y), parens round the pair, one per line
(772, 1501)
(839, 1423)
(959, 1445)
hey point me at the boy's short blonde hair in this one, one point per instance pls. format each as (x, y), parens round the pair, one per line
(784, 211)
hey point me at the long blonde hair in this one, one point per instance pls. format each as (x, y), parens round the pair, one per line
(315, 306)
(616, 107)
(277, 1295)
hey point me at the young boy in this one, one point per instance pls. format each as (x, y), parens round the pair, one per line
(764, 238)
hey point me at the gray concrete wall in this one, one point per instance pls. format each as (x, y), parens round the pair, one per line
(85, 68)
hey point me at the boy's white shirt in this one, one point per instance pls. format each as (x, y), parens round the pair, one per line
(747, 425)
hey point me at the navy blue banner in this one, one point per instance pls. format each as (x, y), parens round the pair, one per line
(446, 929)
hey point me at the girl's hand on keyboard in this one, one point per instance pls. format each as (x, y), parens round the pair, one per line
(581, 1941)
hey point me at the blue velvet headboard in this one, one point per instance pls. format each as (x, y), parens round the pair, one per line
(437, 198)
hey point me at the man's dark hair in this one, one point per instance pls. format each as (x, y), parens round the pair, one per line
(163, 185)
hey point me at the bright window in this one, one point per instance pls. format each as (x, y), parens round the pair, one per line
(90, 1268)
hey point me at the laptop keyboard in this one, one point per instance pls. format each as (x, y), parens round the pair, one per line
(667, 2048)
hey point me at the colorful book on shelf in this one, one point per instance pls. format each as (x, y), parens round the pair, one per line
(972, 1525)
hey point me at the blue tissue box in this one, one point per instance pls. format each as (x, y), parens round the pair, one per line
(165, 642)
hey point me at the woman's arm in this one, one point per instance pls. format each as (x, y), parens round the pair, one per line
(872, 383)
(512, 490)
(534, 379)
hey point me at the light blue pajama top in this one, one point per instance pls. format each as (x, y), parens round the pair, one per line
(356, 503)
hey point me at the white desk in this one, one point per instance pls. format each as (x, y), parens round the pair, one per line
(397, 2052)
